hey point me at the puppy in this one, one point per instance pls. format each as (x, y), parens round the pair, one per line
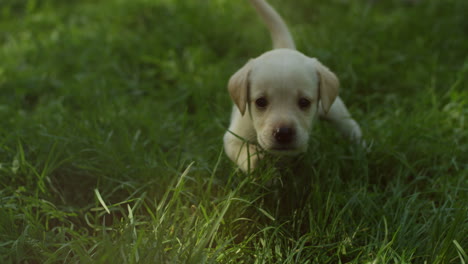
(277, 97)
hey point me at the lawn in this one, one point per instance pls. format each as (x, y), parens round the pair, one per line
(112, 114)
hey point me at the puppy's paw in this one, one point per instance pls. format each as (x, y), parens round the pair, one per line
(245, 155)
(351, 130)
(354, 134)
(249, 165)
(359, 141)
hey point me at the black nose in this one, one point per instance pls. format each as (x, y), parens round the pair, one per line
(284, 135)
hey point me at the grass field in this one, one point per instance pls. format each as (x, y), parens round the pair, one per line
(112, 114)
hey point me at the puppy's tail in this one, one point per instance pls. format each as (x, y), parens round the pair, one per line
(279, 31)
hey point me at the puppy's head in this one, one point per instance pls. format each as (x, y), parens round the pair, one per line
(281, 90)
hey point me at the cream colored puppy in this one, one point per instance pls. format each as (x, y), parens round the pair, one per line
(277, 97)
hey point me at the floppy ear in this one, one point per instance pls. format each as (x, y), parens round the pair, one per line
(328, 85)
(238, 86)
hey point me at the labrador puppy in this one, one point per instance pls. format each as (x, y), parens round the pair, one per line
(277, 96)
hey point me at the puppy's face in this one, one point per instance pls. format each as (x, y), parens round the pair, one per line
(282, 90)
(283, 102)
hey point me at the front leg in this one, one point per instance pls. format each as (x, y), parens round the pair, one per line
(340, 117)
(246, 155)
(240, 142)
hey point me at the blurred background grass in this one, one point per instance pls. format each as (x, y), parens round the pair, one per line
(121, 96)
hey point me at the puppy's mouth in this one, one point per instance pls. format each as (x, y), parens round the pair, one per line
(284, 150)
(289, 149)
(281, 149)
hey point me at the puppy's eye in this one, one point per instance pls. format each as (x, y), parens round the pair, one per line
(261, 102)
(303, 103)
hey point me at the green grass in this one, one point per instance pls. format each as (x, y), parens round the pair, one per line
(111, 121)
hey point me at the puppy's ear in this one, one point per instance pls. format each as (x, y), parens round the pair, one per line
(328, 85)
(238, 86)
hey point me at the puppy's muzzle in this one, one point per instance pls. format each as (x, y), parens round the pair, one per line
(284, 135)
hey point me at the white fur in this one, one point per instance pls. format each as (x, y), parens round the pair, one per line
(282, 77)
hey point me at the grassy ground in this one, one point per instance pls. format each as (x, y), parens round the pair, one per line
(112, 114)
